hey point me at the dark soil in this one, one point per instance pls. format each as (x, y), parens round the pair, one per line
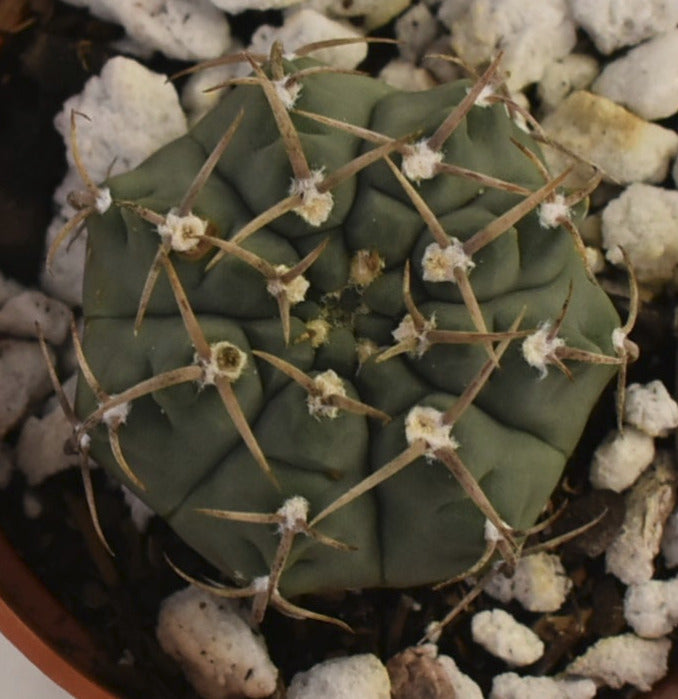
(117, 599)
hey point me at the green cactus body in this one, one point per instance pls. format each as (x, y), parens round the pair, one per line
(418, 526)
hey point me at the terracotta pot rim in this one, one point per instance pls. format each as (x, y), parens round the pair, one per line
(38, 625)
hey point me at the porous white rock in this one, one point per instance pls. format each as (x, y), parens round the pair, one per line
(307, 26)
(539, 583)
(575, 71)
(620, 459)
(464, 687)
(643, 221)
(190, 30)
(219, 652)
(406, 76)
(616, 23)
(630, 557)
(532, 34)
(651, 608)
(20, 314)
(651, 408)
(131, 112)
(416, 29)
(8, 288)
(374, 13)
(40, 450)
(343, 678)
(500, 634)
(24, 380)
(627, 659)
(645, 79)
(234, 7)
(511, 686)
(626, 147)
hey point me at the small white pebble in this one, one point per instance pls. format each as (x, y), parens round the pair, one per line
(651, 409)
(620, 459)
(630, 557)
(539, 583)
(500, 634)
(651, 608)
(512, 686)
(627, 659)
(21, 313)
(218, 651)
(361, 676)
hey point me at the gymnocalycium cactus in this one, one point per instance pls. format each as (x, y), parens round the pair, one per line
(319, 331)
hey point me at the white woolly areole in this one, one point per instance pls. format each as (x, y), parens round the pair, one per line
(315, 206)
(294, 512)
(288, 91)
(182, 232)
(406, 332)
(84, 442)
(619, 340)
(326, 384)
(225, 360)
(294, 290)
(439, 264)
(113, 417)
(552, 213)
(420, 162)
(427, 424)
(538, 349)
(103, 200)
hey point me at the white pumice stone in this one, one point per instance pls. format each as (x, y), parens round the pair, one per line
(361, 676)
(511, 686)
(20, 314)
(416, 28)
(132, 112)
(627, 148)
(40, 449)
(464, 687)
(669, 543)
(221, 655)
(8, 288)
(627, 659)
(532, 34)
(651, 409)
(305, 26)
(539, 583)
(613, 24)
(620, 459)
(626, 82)
(189, 30)
(24, 380)
(500, 634)
(403, 75)
(651, 608)
(643, 221)
(630, 557)
(235, 7)
(575, 71)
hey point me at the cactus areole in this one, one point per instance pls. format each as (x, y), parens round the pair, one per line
(336, 354)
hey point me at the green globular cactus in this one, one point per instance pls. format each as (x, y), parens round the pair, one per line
(339, 335)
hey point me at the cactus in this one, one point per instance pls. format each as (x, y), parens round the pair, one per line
(341, 336)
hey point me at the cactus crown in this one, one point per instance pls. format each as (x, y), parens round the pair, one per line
(319, 330)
